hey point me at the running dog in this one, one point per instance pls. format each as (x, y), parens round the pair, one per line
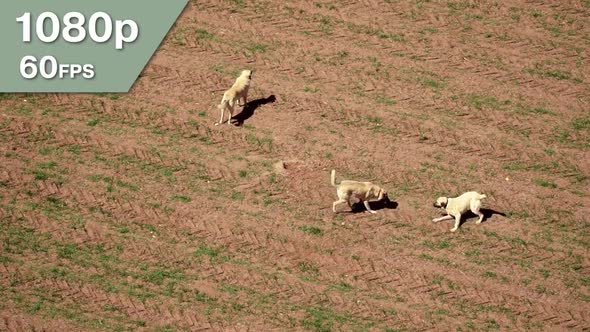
(455, 207)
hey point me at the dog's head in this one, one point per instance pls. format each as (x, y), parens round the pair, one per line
(441, 202)
(381, 193)
(247, 73)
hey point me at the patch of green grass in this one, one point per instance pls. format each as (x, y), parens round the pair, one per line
(127, 185)
(23, 110)
(481, 101)
(231, 289)
(311, 230)
(562, 136)
(552, 73)
(7, 96)
(67, 251)
(265, 143)
(514, 166)
(310, 89)
(202, 34)
(321, 319)
(383, 99)
(489, 274)
(238, 3)
(45, 151)
(426, 257)
(459, 5)
(341, 287)
(17, 239)
(40, 175)
(431, 83)
(92, 122)
(237, 195)
(215, 253)
(374, 119)
(158, 276)
(491, 324)
(47, 165)
(398, 37)
(544, 183)
(309, 268)
(581, 123)
(203, 297)
(75, 149)
(535, 110)
(256, 47)
(429, 30)
(181, 198)
(5, 259)
(325, 25)
(342, 54)
(55, 272)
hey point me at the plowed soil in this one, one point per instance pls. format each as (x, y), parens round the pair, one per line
(135, 212)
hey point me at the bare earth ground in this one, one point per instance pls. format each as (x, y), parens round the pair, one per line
(135, 212)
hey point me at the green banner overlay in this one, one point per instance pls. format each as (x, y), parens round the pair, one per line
(80, 45)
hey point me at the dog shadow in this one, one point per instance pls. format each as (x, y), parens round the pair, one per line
(487, 214)
(251, 106)
(359, 207)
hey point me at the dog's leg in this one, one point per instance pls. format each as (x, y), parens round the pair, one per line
(221, 119)
(244, 97)
(479, 214)
(475, 206)
(457, 221)
(231, 113)
(447, 217)
(368, 207)
(336, 203)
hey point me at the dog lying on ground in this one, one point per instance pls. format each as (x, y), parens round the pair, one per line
(364, 191)
(234, 94)
(455, 207)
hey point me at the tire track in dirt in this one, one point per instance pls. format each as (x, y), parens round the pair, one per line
(420, 289)
(134, 309)
(12, 321)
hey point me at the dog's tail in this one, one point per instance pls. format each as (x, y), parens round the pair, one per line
(482, 196)
(333, 178)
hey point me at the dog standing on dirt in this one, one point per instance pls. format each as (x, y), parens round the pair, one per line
(237, 92)
(364, 191)
(455, 207)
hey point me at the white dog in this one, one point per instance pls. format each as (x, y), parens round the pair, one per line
(455, 207)
(364, 191)
(238, 91)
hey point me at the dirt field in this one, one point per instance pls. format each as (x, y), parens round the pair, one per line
(134, 212)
